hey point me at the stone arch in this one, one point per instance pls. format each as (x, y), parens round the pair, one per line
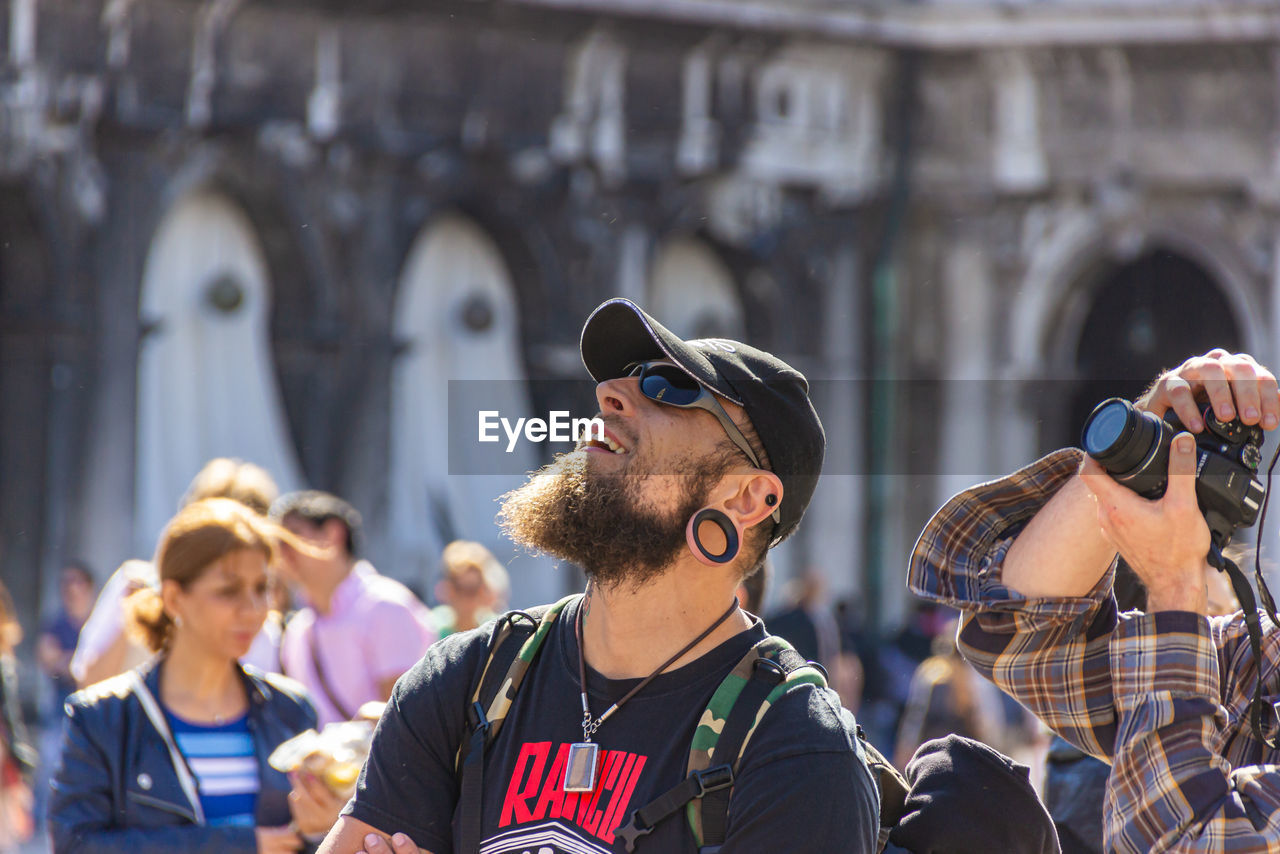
(206, 381)
(1067, 279)
(692, 291)
(457, 328)
(1049, 300)
(1144, 315)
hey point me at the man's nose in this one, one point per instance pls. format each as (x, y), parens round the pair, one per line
(618, 396)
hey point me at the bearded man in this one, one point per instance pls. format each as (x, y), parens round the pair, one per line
(710, 455)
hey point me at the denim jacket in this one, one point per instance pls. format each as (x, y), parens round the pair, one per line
(117, 791)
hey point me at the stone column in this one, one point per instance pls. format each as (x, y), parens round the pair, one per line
(834, 523)
(1018, 160)
(968, 375)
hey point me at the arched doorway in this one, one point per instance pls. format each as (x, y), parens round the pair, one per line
(206, 381)
(692, 292)
(1145, 315)
(457, 329)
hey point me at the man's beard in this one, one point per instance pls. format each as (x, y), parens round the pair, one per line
(602, 522)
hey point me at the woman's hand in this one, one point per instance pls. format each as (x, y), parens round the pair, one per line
(277, 840)
(313, 804)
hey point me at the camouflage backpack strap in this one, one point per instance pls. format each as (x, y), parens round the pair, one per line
(762, 676)
(512, 649)
(765, 673)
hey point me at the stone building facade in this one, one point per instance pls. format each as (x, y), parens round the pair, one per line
(286, 230)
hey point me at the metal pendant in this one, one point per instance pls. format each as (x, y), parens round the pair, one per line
(580, 770)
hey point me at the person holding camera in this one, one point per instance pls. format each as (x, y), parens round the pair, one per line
(1167, 696)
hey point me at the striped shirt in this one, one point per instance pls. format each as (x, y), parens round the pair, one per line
(225, 766)
(1163, 697)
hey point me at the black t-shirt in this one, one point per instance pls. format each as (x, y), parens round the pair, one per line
(802, 785)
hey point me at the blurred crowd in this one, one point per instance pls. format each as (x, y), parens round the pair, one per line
(242, 575)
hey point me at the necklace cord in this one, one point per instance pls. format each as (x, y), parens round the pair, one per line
(589, 726)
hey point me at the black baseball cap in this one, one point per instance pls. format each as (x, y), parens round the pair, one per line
(775, 395)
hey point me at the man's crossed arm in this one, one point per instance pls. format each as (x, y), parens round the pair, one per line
(352, 836)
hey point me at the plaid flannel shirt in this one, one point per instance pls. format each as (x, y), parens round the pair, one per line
(1163, 697)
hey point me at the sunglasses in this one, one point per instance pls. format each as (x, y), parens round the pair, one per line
(663, 382)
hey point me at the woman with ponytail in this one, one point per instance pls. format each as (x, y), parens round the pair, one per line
(172, 756)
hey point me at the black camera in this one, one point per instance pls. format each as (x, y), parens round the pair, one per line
(1133, 447)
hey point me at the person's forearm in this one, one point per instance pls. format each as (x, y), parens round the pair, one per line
(352, 835)
(1061, 552)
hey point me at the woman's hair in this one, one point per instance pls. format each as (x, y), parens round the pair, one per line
(201, 534)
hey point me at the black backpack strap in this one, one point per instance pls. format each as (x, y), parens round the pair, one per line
(515, 643)
(471, 793)
(715, 805)
(513, 629)
(779, 667)
(699, 784)
(771, 666)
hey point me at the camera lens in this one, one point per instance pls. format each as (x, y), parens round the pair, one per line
(1131, 445)
(1107, 428)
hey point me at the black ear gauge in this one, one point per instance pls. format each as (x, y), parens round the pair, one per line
(771, 500)
(732, 536)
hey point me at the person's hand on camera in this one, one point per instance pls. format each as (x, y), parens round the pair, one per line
(1233, 383)
(1164, 541)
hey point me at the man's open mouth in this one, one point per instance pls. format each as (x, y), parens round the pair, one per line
(608, 443)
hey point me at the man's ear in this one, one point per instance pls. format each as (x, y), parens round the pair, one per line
(758, 495)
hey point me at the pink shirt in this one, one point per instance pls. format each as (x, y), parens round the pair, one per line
(375, 629)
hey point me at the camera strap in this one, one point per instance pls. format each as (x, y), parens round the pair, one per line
(1249, 605)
